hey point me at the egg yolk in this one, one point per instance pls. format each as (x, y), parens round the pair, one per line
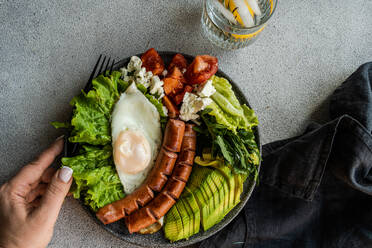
(132, 152)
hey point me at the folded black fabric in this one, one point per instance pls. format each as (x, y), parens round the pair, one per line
(315, 190)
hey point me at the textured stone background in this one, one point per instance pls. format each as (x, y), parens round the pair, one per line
(49, 47)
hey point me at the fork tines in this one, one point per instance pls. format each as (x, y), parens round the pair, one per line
(102, 70)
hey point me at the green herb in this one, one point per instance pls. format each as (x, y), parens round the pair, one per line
(239, 148)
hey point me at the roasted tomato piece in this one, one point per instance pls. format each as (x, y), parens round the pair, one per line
(172, 86)
(152, 61)
(178, 98)
(201, 69)
(177, 74)
(173, 111)
(178, 61)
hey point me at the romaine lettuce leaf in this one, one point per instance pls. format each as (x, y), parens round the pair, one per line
(227, 109)
(95, 178)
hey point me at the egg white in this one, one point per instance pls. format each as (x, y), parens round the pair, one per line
(135, 112)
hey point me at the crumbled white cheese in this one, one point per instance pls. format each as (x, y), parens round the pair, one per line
(142, 77)
(206, 90)
(156, 87)
(124, 72)
(191, 105)
(165, 110)
(134, 64)
(129, 79)
(183, 70)
(164, 73)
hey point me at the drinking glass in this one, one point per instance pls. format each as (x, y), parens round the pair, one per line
(223, 33)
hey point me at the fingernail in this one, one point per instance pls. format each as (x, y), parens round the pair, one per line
(65, 174)
(60, 137)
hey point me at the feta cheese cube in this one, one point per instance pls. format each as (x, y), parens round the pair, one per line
(206, 90)
(141, 77)
(191, 105)
(164, 73)
(156, 87)
(134, 64)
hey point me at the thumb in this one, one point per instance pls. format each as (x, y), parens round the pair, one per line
(55, 194)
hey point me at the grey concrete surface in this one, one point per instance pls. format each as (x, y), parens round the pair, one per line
(49, 47)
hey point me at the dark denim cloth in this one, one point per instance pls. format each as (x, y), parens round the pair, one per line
(315, 190)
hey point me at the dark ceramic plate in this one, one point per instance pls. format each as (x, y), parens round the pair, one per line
(158, 240)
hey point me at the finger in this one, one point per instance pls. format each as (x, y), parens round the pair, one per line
(31, 173)
(38, 191)
(48, 175)
(34, 204)
(52, 200)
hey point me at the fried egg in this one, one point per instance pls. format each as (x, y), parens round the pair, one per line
(136, 137)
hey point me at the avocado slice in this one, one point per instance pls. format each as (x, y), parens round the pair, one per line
(186, 218)
(229, 176)
(190, 200)
(196, 210)
(173, 228)
(239, 187)
(197, 176)
(219, 212)
(214, 182)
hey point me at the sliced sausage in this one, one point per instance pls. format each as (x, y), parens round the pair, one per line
(186, 157)
(189, 138)
(117, 210)
(173, 136)
(140, 219)
(182, 172)
(109, 214)
(165, 161)
(156, 181)
(174, 187)
(161, 204)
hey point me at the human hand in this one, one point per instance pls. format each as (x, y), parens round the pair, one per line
(30, 202)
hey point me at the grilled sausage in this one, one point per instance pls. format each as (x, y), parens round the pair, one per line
(148, 215)
(174, 132)
(186, 157)
(189, 139)
(174, 187)
(161, 204)
(182, 172)
(140, 219)
(155, 181)
(117, 210)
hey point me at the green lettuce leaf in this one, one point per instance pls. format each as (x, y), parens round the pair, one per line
(95, 177)
(227, 109)
(92, 111)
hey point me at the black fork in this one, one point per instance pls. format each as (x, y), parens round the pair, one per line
(103, 69)
(72, 148)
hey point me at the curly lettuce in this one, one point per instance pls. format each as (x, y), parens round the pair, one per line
(95, 178)
(91, 116)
